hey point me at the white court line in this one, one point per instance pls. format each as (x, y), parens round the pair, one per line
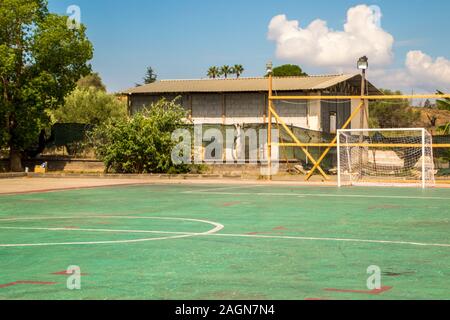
(334, 239)
(100, 217)
(318, 195)
(217, 227)
(190, 234)
(99, 230)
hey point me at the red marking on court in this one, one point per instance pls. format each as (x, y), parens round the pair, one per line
(229, 204)
(374, 291)
(65, 273)
(279, 228)
(70, 227)
(314, 299)
(269, 233)
(43, 283)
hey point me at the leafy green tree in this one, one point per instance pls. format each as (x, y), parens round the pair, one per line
(41, 59)
(213, 72)
(288, 70)
(92, 80)
(237, 69)
(225, 71)
(142, 143)
(90, 106)
(392, 113)
(150, 76)
(443, 104)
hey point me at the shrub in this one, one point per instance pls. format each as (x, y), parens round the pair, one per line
(142, 143)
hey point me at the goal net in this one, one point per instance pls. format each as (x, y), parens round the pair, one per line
(385, 157)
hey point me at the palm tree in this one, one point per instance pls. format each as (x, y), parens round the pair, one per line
(225, 71)
(238, 69)
(213, 72)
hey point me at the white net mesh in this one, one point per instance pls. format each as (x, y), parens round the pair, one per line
(385, 157)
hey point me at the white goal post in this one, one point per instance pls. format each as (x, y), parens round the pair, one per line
(385, 157)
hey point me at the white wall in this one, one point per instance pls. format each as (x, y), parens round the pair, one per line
(314, 113)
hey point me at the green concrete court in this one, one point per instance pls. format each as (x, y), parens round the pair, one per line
(188, 241)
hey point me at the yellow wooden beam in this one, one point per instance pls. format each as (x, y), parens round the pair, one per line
(292, 135)
(386, 145)
(307, 144)
(374, 97)
(356, 144)
(269, 128)
(441, 145)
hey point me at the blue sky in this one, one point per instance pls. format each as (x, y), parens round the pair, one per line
(181, 39)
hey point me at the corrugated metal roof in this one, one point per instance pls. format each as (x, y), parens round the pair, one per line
(246, 84)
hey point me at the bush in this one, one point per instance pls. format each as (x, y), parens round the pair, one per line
(142, 143)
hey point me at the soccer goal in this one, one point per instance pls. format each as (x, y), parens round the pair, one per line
(385, 157)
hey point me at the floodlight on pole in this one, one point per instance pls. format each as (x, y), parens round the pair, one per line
(269, 68)
(269, 71)
(363, 63)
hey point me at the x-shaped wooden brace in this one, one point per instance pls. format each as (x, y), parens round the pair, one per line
(292, 135)
(332, 144)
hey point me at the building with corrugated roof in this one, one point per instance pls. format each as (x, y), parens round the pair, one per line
(244, 100)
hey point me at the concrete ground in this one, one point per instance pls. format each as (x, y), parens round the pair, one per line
(47, 183)
(52, 182)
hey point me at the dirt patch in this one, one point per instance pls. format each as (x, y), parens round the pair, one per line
(442, 116)
(385, 206)
(397, 274)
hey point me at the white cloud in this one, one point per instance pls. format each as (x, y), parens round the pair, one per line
(319, 46)
(421, 73)
(428, 73)
(394, 79)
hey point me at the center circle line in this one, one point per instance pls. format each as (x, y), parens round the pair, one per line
(177, 235)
